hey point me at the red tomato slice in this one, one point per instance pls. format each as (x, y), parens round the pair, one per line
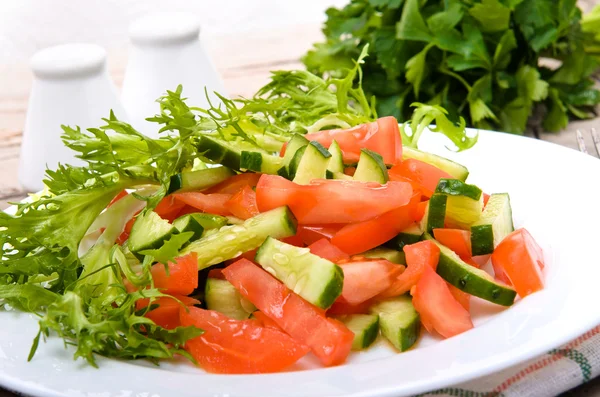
(182, 278)
(350, 171)
(169, 208)
(294, 240)
(209, 203)
(230, 346)
(325, 249)
(461, 296)
(420, 211)
(265, 321)
(216, 273)
(328, 339)
(365, 279)
(381, 136)
(439, 310)
(235, 183)
(486, 198)
(340, 307)
(363, 236)
(166, 315)
(421, 255)
(426, 175)
(243, 203)
(520, 257)
(457, 240)
(312, 233)
(118, 197)
(331, 201)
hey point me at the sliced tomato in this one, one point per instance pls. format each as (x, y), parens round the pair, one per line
(169, 208)
(312, 233)
(439, 310)
(325, 249)
(363, 236)
(350, 171)
(230, 346)
(265, 321)
(210, 203)
(426, 175)
(331, 201)
(420, 211)
(457, 240)
(521, 259)
(118, 197)
(461, 296)
(216, 273)
(339, 308)
(243, 203)
(166, 312)
(328, 339)
(234, 184)
(381, 136)
(421, 255)
(367, 278)
(182, 278)
(294, 240)
(486, 198)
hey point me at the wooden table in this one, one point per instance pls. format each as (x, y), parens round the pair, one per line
(244, 68)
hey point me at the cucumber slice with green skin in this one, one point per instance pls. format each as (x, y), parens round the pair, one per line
(336, 161)
(435, 213)
(312, 165)
(389, 254)
(364, 326)
(232, 241)
(188, 223)
(399, 321)
(408, 236)
(315, 279)
(295, 163)
(238, 155)
(371, 168)
(455, 187)
(198, 180)
(296, 142)
(494, 224)
(223, 297)
(470, 279)
(456, 170)
(149, 231)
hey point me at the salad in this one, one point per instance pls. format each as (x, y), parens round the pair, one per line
(260, 230)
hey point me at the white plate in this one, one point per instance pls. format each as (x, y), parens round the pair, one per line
(554, 193)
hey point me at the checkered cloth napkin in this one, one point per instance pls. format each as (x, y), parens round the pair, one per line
(549, 375)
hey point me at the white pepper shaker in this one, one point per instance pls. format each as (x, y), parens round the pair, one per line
(166, 51)
(71, 86)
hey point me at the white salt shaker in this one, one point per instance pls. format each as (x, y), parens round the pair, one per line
(71, 86)
(166, 51)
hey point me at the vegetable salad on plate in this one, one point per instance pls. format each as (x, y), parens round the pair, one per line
(260, 230)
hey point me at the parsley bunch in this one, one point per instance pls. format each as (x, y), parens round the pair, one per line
(479, 59)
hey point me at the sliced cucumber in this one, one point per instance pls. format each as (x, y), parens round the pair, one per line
(408, 236)
(312, 165)
(389, 254)
(435, 213)
(336, 161)
(149, 231)
(371, 168)
(294, 144)
(399, 321)
(455, 187)
(223, 297)
(188, 223)
(315, 279)
(364, 326)
(464, 204)
(198, 180)
(470, 279)
(495, 223)
(239, 155)
(456, 170)
(338, 175)
(231, 241)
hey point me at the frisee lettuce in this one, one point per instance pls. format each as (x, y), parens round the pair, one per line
(59, 256)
